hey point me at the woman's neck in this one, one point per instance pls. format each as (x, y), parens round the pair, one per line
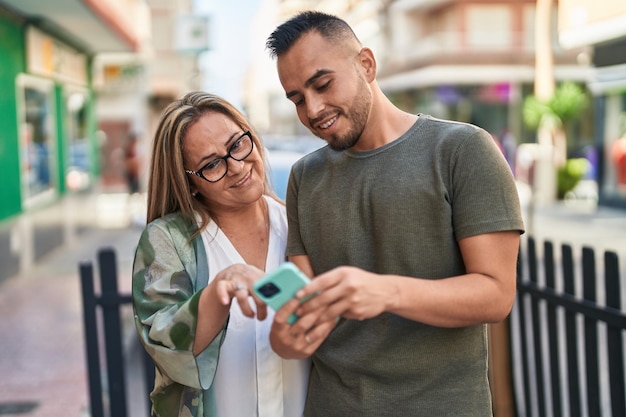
(248, 231)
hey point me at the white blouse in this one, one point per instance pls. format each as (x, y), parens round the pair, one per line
(251, 379)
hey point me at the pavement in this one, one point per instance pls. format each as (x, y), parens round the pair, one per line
(42, 351)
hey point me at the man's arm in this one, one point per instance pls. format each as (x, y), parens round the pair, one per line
(485, 294)
(304, 263)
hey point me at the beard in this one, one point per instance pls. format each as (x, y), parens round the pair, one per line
(357, 116)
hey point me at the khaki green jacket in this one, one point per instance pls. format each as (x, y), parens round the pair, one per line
(169, 274)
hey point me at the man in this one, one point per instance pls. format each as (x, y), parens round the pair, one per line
(410, 226)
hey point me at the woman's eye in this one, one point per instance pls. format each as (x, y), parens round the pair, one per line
(212, 165)
(236, 145)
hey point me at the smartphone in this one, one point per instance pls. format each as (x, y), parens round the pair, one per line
(280, 286)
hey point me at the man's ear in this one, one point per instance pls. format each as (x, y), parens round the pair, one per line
(368, 63)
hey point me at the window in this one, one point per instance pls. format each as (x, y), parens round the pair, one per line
(37, 136)
(78, 158)
(489, 26)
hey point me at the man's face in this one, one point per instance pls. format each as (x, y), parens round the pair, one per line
(325, 82)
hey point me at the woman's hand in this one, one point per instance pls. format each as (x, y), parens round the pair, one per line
(236, 282)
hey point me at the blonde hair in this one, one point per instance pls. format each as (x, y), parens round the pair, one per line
(168, 185)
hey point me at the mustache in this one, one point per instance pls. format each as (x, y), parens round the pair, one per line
(325, 115)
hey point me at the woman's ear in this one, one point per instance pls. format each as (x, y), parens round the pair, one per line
(368, 63)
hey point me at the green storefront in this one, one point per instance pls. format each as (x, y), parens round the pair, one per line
(48, 144)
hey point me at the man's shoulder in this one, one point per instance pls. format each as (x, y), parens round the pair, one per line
(448, 124)
(317, 157)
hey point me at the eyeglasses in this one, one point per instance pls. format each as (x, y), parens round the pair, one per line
(216, 169)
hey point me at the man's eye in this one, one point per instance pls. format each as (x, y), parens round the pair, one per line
(324, 86)
(297, 100)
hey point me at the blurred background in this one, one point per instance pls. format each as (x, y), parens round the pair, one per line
(83, 83)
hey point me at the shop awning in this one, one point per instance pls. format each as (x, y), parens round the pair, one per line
(93, 26)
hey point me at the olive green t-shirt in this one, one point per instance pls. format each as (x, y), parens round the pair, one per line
(400, 209)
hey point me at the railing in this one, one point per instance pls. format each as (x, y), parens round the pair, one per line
(567, 342)
(109, 302)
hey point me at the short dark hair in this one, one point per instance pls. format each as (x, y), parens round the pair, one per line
(329, 26)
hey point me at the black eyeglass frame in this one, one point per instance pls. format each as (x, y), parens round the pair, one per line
(199, 173)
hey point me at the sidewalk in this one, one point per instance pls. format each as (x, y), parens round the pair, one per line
(41, 330)
(579, 224)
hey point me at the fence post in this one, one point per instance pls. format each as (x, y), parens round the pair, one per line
(614, 334)
(536, 321)
(591, 334)
(112, 331)
(91, 339)
(571, 334)
(553, 344)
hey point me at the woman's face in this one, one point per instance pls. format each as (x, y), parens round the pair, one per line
(212, 137)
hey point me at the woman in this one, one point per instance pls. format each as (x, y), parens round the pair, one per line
(214, 227)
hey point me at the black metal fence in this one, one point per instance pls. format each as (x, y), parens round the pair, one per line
(105, 329)
(567, 333)
(567, 341)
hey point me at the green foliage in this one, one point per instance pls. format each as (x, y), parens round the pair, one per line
(568, 102)
(533, 111)
(570, 174)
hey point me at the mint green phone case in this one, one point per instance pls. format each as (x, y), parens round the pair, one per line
(280, 286)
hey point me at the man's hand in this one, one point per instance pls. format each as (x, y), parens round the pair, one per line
(302, 338)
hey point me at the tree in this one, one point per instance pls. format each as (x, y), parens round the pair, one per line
(552, 114)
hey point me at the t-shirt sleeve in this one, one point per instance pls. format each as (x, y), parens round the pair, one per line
(295, 246)
(483, 191)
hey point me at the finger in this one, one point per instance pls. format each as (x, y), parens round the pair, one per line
(261, 307)
(321, 283)
(318, 334)
(244, 305)
(261, 310)
(243, 298)
(321, 300)
(333, 312)
(223, 292)
(283, 314)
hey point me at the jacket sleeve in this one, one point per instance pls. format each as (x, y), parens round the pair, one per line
(166, 306)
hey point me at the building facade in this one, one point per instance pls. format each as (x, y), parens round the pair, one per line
(133, 88)
(602, 26)
(468, 60)
(49, 147)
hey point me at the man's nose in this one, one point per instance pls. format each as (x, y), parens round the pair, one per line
(314, 107)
